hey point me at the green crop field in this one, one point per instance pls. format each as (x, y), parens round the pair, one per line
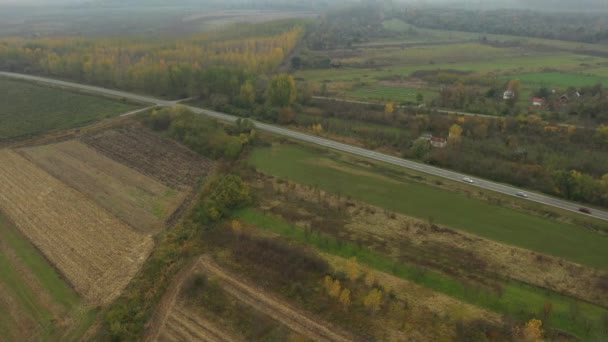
(396, 25)
(27, 109)
(518, 300)
(557, 79)
(331, 171)
(535, 63)
(390, 93)
(39, 294)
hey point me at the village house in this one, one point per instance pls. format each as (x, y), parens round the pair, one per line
(439, 142)
(538, 102)
(509, 94)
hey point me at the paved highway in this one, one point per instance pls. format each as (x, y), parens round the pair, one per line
(505, 189)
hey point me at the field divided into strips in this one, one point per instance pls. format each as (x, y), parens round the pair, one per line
(336, 173)
(164, 160)
(97, 253)
(136, 199)
(27, 109)
(33, 296)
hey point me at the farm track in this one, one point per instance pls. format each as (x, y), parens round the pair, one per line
(97, 253)
(167, 323)
(133, 197)
(183, 325)
(273, 307)
(165, 160)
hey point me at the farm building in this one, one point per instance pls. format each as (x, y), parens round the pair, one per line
(538, 102)
(439, 142)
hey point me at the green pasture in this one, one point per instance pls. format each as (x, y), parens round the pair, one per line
(500, 66)
(333, 172)
(557, 79)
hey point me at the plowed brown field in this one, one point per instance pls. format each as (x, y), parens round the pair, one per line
(97, 253)
(165, 160)
(139, 200)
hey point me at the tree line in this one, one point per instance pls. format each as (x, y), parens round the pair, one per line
(203, 63)
(587, 27)
(524, 150)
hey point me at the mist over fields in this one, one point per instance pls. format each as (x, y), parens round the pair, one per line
(541, 5)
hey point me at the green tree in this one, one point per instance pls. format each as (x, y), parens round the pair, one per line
(221, 195)
(282, 90)
(564, 183)
(421, 149)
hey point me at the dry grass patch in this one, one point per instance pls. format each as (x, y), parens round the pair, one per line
(97, 253)
(141, 201)
(421, 302)
(480, 254)
(448, 250)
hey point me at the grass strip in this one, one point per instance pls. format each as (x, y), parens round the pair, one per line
(517, 299)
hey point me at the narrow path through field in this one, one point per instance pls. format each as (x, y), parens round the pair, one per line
(273, 307)
(173, 322)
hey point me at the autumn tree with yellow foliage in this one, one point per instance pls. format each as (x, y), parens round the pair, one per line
(531, 332)
(373, 300)
(203, 63)
(345, 298)
(389, 108)
(353, 269)
(316, 129)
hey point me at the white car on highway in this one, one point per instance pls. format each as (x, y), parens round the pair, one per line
(468, 180)
(522, 194)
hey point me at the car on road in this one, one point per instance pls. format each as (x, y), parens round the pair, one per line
(584, 210)
(468, 180)
(521, 194)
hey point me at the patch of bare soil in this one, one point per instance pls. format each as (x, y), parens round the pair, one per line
(165, 160)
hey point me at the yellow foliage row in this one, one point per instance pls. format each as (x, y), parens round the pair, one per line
(60, 56)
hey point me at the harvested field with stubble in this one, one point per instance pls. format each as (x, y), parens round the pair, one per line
(138, 200)
(165, 160)
(96, 252)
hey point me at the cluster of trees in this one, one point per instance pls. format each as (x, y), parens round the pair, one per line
(524, 150)
(271, 99)
(221, 196)
(344, 27)
(201, 134)
(590, 28)
(198, 65)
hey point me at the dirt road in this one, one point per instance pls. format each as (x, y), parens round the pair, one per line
(273, 307)
(174, 322)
